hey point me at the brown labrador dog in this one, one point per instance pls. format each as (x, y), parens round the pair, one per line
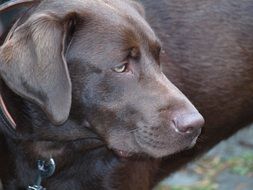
(82, 83)
(122, 105)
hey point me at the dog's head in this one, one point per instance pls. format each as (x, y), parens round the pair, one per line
(99, 59)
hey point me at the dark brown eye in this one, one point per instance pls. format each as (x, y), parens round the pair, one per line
(120, 69)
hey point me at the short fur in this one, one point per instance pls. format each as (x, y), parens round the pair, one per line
(189, 58)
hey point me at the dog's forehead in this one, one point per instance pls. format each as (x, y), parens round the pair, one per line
(121, 17)
(118, 13)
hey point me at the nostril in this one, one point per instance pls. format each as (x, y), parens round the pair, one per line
(188, 130)
(188, 123)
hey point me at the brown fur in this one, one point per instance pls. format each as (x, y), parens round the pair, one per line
(211, 74)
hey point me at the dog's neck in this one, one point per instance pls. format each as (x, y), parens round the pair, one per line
(18, 120)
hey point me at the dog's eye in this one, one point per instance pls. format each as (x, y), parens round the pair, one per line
(120, 69)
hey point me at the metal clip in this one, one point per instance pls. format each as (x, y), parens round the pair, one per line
(45, 170)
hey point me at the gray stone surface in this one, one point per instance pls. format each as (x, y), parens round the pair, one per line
(228, 181)
(182, 178)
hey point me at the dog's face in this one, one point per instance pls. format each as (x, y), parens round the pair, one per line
(118, 88)
(118, 81)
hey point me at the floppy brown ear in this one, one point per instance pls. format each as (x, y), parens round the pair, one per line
(33, 65)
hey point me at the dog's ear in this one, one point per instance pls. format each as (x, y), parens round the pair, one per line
(33, 65)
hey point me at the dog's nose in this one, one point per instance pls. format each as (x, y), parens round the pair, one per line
(188, 123)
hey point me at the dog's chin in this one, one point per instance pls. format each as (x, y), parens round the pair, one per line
(156, 150)
(145, 151)
(131, 146)
(121, 143)
(126, 154)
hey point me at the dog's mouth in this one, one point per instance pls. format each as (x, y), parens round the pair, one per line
(160, 149)
(136, 146)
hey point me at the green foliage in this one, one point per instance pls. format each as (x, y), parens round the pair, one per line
(242, 165)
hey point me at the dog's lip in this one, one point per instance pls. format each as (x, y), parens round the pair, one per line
(194, 141)
(194, 137)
